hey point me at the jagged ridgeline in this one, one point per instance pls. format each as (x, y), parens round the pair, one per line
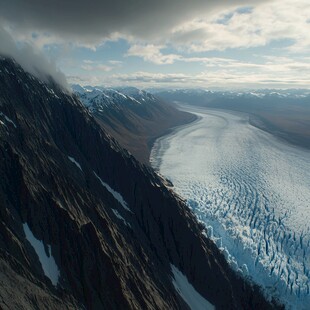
(84, 225)
(135, 118)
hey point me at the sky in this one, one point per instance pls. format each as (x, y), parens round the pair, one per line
(211, 44)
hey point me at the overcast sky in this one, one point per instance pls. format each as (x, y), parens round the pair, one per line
(165, 43)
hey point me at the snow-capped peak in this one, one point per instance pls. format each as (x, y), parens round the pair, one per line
(97, 98)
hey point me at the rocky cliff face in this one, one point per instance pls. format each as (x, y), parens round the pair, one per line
(83, 224)
(135, 118)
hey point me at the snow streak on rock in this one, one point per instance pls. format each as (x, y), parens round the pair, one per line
(117, 214)
(47, 260)
(7, 119)
(114, 193)
(194, 300)
(252, 191)
(75, 162)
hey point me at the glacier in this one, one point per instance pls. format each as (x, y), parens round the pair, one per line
(251, 191)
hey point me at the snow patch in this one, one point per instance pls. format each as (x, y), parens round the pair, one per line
(51, 91)
(119, 93)
(116, 213)
(48, 263)
(114, 193)
(8, 119)
(194, 300)
(133, 99)
(75, 162)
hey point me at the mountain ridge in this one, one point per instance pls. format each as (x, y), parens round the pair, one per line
(134, 117)
(63, 176)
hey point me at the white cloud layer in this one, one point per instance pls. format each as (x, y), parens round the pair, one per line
(242, 28)
(219, 73)
(152, 53)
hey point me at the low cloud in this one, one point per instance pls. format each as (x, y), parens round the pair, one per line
(117, 63)
(32, 60)
(152, 53)
(103, 68)
(153, 78)
(91, 65)
(220, 73)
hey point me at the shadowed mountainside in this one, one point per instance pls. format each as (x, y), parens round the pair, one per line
(109, 224)
(135, 118)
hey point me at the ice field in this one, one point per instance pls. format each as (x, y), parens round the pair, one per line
(252, 191)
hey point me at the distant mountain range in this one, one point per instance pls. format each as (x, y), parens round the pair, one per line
(208, 95)
(135, 118)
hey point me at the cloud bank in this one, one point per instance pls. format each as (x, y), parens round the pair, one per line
(208, 42)
(90, 22)
(32, 60)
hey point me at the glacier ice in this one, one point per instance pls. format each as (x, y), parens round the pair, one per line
(252, 191)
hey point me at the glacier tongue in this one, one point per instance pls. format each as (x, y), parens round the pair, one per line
(252, 192)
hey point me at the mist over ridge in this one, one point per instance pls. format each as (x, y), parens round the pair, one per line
(31, 59)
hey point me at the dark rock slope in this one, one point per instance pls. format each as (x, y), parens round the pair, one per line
(57, 172)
